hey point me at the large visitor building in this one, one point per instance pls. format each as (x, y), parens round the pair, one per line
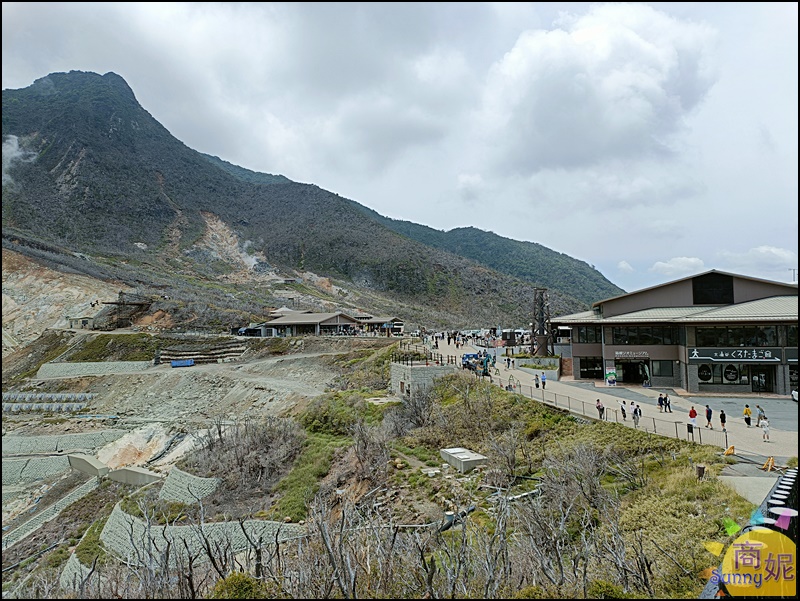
(713, 332)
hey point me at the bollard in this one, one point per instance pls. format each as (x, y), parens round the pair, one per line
(701, 470)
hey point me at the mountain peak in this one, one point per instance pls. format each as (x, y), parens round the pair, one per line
(103, 178)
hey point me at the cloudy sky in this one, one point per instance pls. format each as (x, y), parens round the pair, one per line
(651, 140)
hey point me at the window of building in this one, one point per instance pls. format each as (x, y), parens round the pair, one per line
(712, 289)
(591, 368)
(649, 335)
(753, 336)
(791, 336)
(590, 334)
(662, 368)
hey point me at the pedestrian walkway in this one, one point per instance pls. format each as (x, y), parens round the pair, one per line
(580, 399)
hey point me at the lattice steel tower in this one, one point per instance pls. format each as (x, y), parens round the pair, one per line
(541, 322)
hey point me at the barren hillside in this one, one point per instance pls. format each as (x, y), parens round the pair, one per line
(36, 298)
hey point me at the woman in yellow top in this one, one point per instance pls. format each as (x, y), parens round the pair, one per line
(747, 414)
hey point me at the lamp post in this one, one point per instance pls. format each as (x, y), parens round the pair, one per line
(532, 339)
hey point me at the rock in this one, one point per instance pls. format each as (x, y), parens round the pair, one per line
(287, 520)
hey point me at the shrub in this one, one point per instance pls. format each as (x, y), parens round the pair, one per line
(602, 589)
(337, 414)
(239, 585)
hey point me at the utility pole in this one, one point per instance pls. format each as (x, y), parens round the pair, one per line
(794, 273)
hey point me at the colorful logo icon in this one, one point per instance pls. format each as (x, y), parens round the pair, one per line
(761, 562)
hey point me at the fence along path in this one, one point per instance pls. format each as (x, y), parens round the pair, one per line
(673, 428)
(580, 401)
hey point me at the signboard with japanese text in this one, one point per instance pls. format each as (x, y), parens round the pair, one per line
(743, 355)
(631, 354)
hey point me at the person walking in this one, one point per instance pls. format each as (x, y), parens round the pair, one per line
(693, 416)
(667, 404)
(765, 428)
(747, 415)
(544, 380)
(637, 413)
(709, 413)
(600, 408)
(759, 415)
(660, 402)
(623, 407)
(536, 381)
(722, 419)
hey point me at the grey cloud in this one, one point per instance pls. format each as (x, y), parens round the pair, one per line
(615, 84)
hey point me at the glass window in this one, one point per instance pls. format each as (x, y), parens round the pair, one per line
(591, 368)
(662, 368)
(645, 335)
(791, 336)
(736, 337)
(706, 337)
(589, 334)
(768, 336)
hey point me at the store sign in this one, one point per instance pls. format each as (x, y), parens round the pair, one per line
(745, 355)
(731, 373)
(631, 354)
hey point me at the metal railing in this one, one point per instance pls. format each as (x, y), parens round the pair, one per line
(670, 428)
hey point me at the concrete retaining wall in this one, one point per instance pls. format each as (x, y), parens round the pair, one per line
(186, 488)
(40, 445)
(98, 368)
(73, 574)
(33, 524)
(121, 529)
(20, 471)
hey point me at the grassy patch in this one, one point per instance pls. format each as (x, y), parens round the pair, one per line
(91, 546)
(123, 347)
(301, 484)
(335, 414)
(425, 455)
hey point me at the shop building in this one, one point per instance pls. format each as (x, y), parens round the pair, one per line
(715, 332)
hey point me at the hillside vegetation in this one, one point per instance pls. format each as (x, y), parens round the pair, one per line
(610, 511)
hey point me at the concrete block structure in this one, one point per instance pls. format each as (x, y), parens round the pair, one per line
(462, 459)
(134, 475)
(413, 379)
(88, 465)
